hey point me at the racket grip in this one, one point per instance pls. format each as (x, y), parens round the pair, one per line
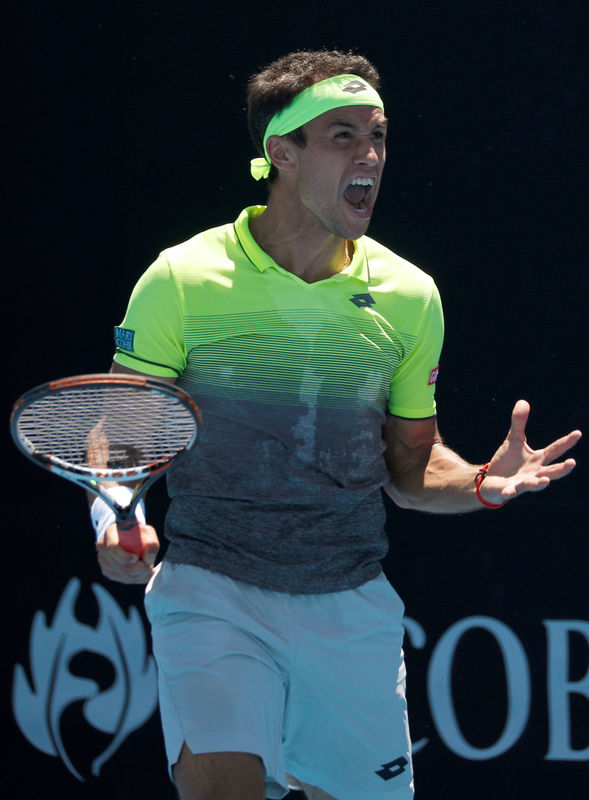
(130, 537)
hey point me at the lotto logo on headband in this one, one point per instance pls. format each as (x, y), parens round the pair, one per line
(355, 86)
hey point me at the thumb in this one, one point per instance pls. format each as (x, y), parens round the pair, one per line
(519, 419)
(150, 554)
(150, 544)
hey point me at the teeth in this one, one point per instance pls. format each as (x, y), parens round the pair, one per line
(364, 181)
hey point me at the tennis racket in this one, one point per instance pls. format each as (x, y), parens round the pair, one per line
(107, 429)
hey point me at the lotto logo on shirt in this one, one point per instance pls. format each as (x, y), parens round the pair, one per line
(433, 376)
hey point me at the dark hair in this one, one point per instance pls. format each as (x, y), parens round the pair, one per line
(276, 86)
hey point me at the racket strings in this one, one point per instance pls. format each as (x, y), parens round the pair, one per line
(99, 428)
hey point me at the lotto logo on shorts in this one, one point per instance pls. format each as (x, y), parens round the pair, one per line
(433, 376)
(124, 338)
(398, 767)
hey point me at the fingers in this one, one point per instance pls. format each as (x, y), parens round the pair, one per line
(538, 480)
(556, 471)
(519, 420)
(560, 446)
(119, 565)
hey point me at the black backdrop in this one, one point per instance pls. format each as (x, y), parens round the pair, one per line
(125, 133)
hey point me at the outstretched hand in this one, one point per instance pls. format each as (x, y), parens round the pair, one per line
(515, 468)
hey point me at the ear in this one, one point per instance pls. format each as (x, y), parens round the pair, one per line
(282, 153)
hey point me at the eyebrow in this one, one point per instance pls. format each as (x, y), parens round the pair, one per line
(344, 124)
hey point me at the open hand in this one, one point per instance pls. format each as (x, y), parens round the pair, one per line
(515, 468)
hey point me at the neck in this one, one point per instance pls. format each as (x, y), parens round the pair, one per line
(301, 246)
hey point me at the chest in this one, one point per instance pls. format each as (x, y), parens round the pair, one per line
(281, 341)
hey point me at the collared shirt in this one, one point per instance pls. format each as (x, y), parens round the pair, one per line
(294, 381)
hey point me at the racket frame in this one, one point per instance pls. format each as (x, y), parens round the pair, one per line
(92, 479)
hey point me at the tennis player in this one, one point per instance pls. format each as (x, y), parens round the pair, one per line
(313, 353)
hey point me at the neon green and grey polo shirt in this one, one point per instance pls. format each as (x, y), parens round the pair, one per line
(294, 380)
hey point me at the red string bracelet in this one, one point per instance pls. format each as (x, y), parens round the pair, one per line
(480, 477)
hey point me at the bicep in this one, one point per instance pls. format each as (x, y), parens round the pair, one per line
(150, 338)
(409, 442)
(121, 370)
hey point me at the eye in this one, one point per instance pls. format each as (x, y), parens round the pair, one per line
(343, 135)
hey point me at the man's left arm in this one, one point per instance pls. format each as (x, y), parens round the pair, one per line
(428, 476)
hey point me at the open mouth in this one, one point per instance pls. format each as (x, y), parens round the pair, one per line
(357, 193)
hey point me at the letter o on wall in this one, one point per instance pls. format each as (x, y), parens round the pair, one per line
(439, 687)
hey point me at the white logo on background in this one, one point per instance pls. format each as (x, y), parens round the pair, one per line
(116, 710)
(565, 693)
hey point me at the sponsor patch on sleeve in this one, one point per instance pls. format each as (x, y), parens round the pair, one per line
(433, 376)
(124, 338)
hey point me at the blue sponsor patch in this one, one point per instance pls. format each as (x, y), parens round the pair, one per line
(124, 338)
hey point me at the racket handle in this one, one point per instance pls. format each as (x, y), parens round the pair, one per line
(130, 537)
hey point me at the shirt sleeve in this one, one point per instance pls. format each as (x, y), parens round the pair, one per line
(412, 393)
(150, 338)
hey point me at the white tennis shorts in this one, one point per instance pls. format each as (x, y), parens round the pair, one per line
(313, 684)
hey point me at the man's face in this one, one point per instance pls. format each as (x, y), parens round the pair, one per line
(341, 167)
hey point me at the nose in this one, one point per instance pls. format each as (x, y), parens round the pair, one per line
(367, 151)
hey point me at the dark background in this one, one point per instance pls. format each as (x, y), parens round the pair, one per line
(125, 133)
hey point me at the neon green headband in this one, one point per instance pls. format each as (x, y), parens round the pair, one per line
(341, 90)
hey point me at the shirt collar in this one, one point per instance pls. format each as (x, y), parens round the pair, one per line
(358, 267)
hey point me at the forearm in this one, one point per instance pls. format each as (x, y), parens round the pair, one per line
(427, 476)
(439, 482)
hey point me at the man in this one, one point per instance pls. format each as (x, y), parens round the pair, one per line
(312, 352)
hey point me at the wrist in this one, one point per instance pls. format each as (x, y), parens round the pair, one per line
(478, 481)
(102, 515)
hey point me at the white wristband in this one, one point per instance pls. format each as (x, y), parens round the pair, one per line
(102, 515)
